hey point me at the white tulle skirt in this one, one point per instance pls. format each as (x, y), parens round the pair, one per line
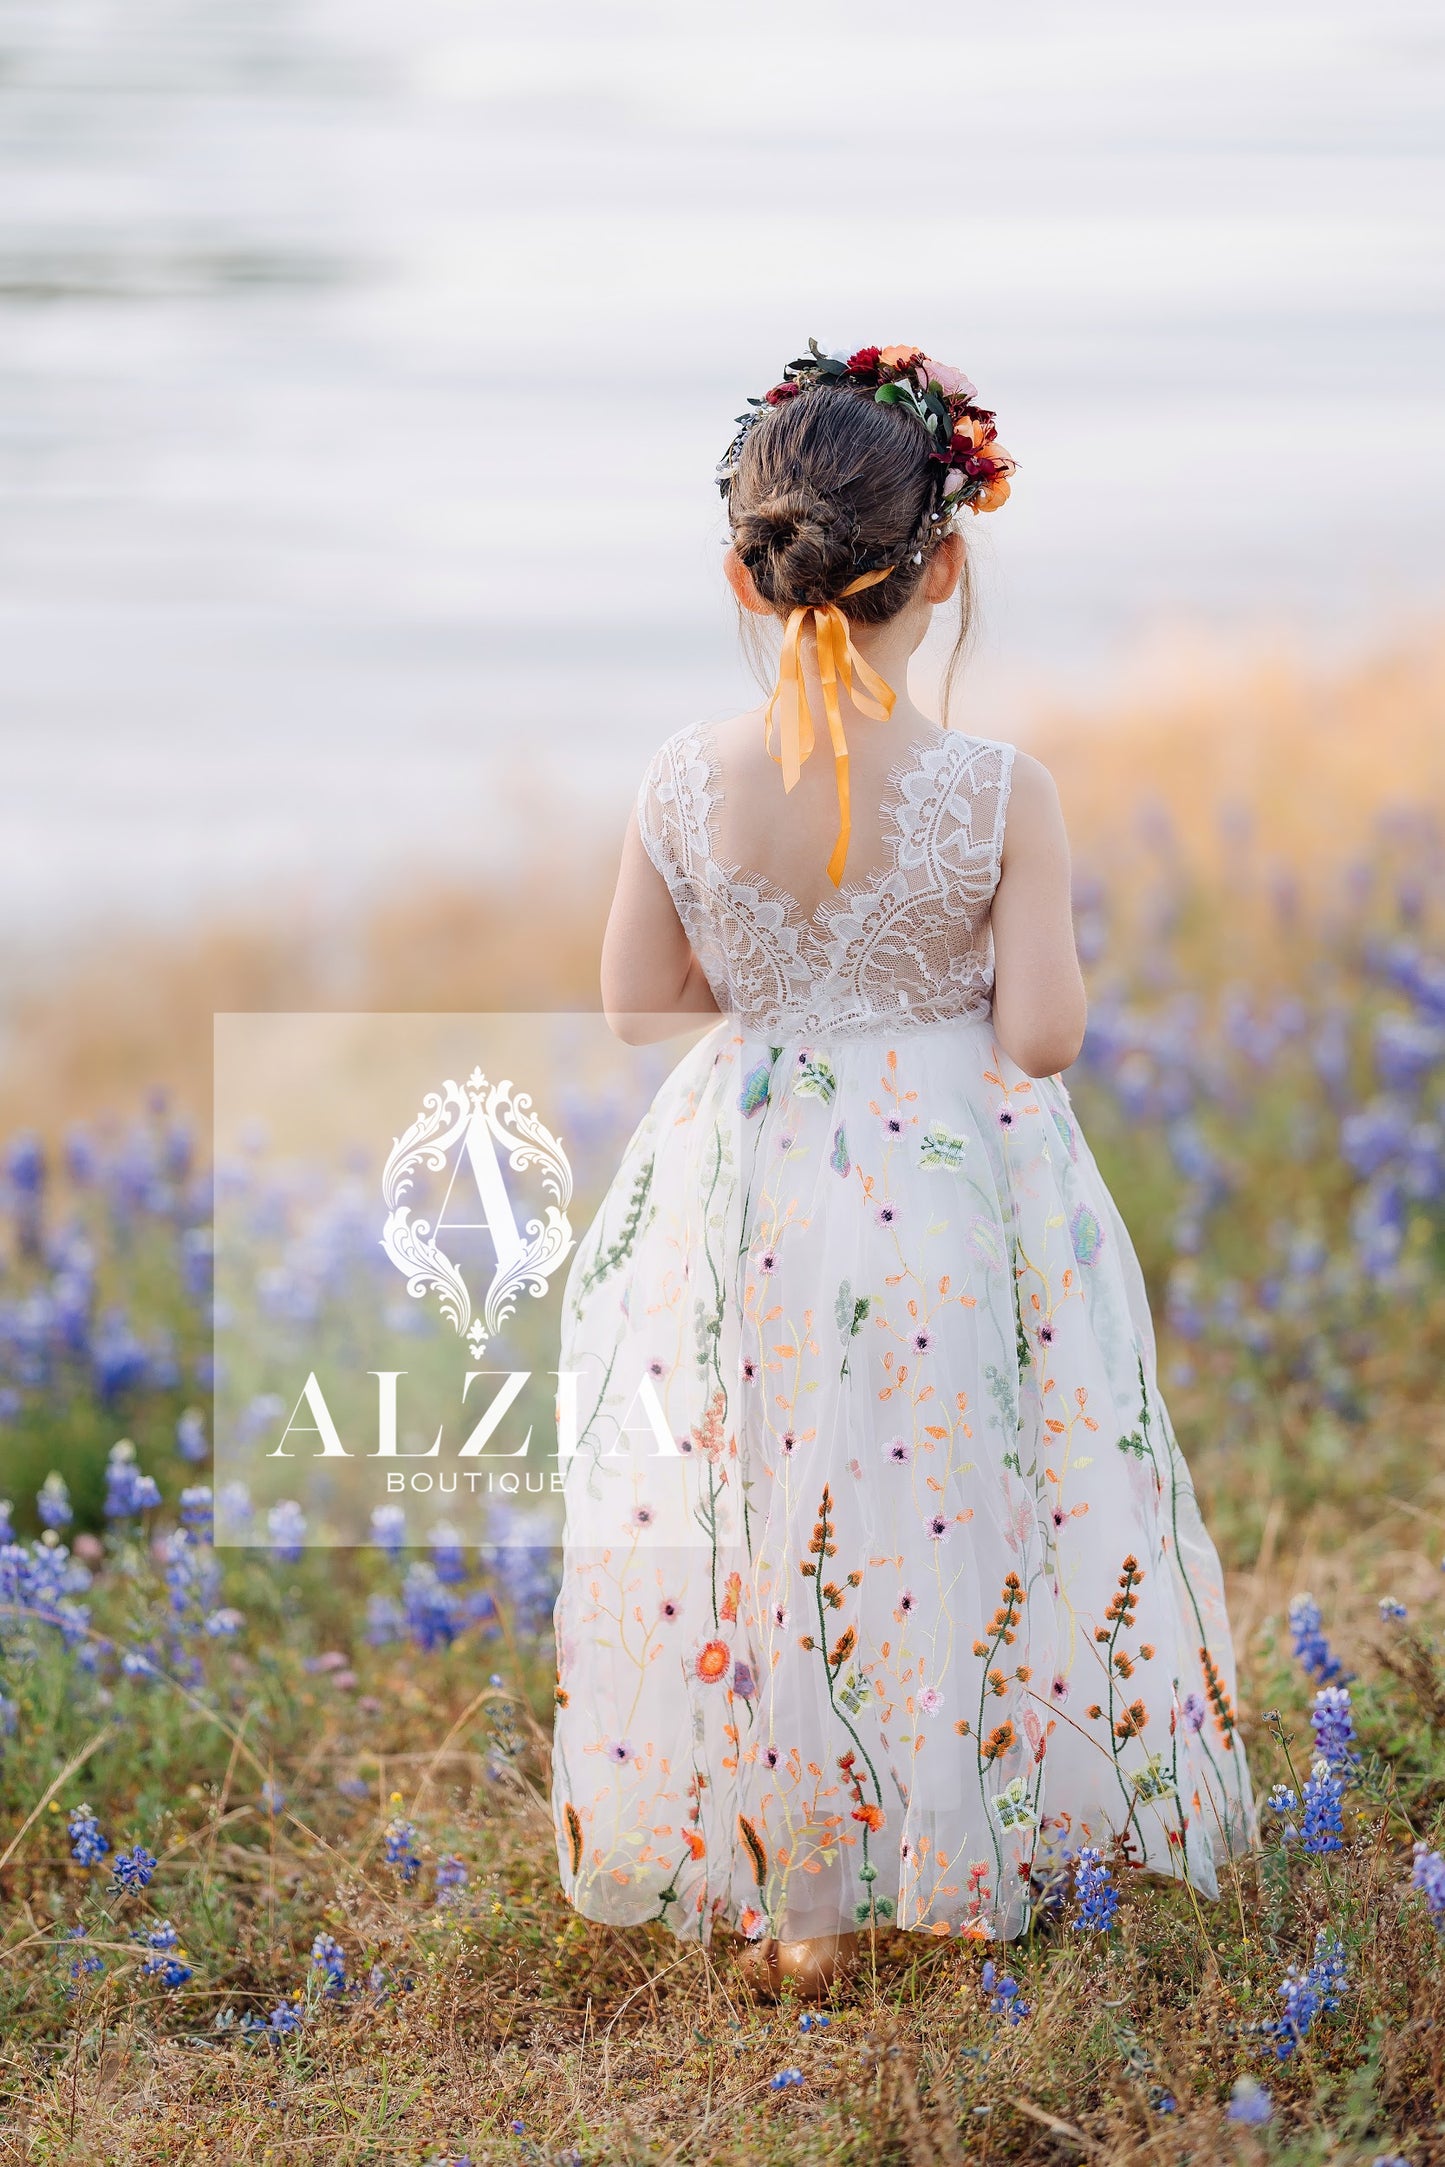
(884, 1585)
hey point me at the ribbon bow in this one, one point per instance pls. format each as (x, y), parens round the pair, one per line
(838, 659)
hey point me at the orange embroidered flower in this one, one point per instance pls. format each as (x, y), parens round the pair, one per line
(870, 1815)
(694, 1843)
(712, 1661)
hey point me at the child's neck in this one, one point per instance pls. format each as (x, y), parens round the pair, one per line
(886, 648)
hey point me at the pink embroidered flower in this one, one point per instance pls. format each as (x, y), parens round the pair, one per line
(930, 1700)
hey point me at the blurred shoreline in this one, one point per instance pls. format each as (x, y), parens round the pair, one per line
(365, 370)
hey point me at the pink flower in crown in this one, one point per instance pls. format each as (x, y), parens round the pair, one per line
(951, 382)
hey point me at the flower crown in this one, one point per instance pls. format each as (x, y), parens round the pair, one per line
(972, 466)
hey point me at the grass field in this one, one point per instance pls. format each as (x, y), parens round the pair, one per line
(277, 1874)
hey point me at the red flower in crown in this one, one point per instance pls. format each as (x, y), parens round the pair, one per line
(962, 438)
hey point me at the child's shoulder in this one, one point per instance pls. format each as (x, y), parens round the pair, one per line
(686, 742)
(697, 749)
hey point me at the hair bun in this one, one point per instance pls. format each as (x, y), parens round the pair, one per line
(799, 546)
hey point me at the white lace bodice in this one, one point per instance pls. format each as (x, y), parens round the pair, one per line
(912, 941)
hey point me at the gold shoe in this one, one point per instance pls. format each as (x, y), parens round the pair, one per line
(817, 1965)
(758, 1968)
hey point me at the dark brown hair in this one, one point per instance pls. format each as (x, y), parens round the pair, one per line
(831, 484)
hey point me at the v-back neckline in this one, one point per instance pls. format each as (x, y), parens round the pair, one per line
(850, 893)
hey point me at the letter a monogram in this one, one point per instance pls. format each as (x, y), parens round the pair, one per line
(472, 1121)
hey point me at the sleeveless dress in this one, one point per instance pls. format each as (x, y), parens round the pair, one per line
(884, 1587)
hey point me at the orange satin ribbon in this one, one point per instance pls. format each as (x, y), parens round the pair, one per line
(838, 659)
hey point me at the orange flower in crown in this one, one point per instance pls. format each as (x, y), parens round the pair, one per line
(978, 461)
(973, 467)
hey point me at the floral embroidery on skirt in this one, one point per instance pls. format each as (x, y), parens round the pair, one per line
(884, 1583)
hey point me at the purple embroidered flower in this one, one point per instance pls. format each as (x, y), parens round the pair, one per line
(907, 1600)
(930, 1700)
(898, 1451)
(1194, 1711)
(745, 1685)
(939, 1526)
(886, 1215)
(643, 1516)
(788, 1442)
(668, 1609)
(770, 1757)
(922, 1341)
(1046, 1335)
(750, 1371)
(656, 1368)
(768, 1261)
(620, 1750)
(1005, 1117)
(892, 1124)
(780, 1615)
(1059, 1690)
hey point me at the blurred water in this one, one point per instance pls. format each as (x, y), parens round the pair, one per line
(363, 368)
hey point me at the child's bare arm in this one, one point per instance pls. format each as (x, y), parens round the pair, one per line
(1039, 1004)
(652, 983)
